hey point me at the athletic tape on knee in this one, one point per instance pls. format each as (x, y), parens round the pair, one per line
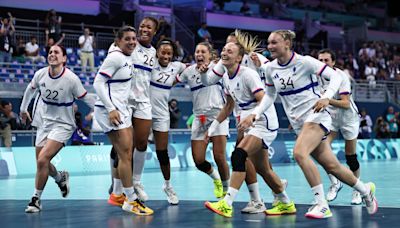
(238, 160)
(352, 162)
(204, 167)
(163, 157)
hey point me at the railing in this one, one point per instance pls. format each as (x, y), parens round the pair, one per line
(26, 28)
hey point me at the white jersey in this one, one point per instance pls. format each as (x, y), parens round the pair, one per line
(58, 95)
(297, 84)
(162, 79)
(344, 89)
(242, 86)
(117, 68)
(205, 99)
(144, 59)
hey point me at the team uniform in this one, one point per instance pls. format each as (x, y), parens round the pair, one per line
(57, 95)
(116, 72)
(207, 103)
(144, 59)
(297, 84)
(241, 87)
(345, 120)
(162, 79)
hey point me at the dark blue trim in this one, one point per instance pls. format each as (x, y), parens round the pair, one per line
(58, 104)
(258, 90)
(247, 103)
(313, 87)
(291, 92)
(104, 75)
(142, 67)
(218, 74)
(160, 86)
(100, 106)
(63, 71)
(283, 65)
(325, 130)
(236, 72)
(35, 105)
(118, 80)
(268, 124)
(197, 88)
(265, 145)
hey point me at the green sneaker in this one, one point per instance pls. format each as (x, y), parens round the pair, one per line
(218, 189)
(220, 207)
(282, 209)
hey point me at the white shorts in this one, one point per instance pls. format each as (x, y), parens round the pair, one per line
(199, 129)
(261, 131)
(54, 132)
(322, 118)
(348, 125)
(161, 125)
(102, 118)
(141, 110)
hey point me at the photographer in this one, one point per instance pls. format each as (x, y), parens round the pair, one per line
(365, 125)
(381, 128)
(8, 121)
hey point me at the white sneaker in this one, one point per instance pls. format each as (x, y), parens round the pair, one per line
(276, 200)
(254, 207)
(171, 195)
(34, 205)
(369, 199)
(139, 190)
(319, 211)
(356, 198)
(333, 191)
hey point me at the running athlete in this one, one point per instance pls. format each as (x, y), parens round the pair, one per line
(144, 58)
(112, 85)
(294, 78)
(58, 88)
(162, 79)
(345, 118)
(207, 103)
(245, 88)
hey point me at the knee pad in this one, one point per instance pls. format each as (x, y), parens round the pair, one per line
(114, 156)
(204, 167)
(238, 160)
(352, 162)
(163, 157)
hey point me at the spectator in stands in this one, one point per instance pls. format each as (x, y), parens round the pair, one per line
(53, 23)
(19, 52)
(245, 9)
(6, 32)
(381, 128)
(393, 70)
(370, 72)
(32, 51)
(164, 31)
(7, 121)
(87, 44)
(391, 118)
(50, 42)
(180, 53)
(220, 3)
(174, 113)
(203, 33)
(365, 125)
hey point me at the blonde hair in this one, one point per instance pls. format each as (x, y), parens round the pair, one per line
(286, 35)
(249, 43)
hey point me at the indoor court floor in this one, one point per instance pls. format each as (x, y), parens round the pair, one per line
(86, 206)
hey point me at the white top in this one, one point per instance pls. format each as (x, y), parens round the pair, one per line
(205, 98)
(58, 95)
(345, 88)
(29, 47)
(242, 86)
(297, 84)
(144, 59)
(87, 44)
(113, 81)
(162, 79)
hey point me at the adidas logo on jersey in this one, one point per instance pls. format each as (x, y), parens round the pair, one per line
(276, 76)
(43, 85)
